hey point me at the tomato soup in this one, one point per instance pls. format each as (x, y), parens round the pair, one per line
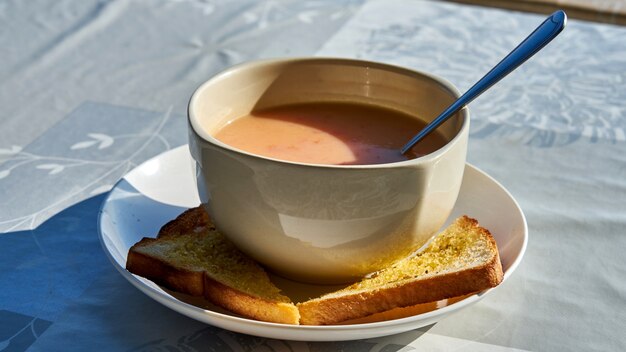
(328, 133)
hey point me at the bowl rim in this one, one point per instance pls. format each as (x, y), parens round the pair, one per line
(199, 132)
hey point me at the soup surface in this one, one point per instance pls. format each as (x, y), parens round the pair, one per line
(328, 133)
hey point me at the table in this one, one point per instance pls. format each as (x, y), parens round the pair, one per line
(90, 89)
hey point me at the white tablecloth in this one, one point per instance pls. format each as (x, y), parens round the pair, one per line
(90, 89)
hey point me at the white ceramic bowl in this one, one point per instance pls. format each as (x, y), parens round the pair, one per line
(324, 223)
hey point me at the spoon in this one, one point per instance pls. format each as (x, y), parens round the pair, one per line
(542, 35)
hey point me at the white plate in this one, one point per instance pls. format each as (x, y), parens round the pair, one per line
(162, 187)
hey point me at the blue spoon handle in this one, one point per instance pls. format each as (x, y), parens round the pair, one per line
(541, 36)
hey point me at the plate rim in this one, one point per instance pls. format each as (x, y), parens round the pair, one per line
(211, 317)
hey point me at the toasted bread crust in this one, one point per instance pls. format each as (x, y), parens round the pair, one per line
(199, 283)
(250, 306)
(335, 309)
(405, 312)
(163, 273)
(193, 219)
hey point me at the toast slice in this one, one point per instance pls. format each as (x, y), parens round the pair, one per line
(190, 256)
(462, 259)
